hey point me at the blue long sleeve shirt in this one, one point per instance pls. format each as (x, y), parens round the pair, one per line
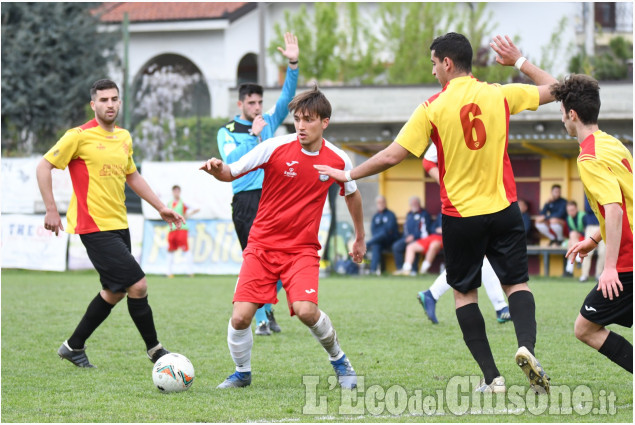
(414, 223)
(384, 224)
(235, 138)
(555, 209)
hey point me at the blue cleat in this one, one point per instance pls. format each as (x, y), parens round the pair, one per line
(503, 315)
(346, 376)
(236, 380)
(429, 305)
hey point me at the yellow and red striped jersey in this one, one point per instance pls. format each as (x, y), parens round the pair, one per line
(468, 121)
(606, 170)
(99, 162)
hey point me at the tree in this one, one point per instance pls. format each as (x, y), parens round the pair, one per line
(51, 55)
(161, 93)
(612, 64)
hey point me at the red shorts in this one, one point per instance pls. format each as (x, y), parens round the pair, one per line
(425, 242)
(177, 239)
(261, 270)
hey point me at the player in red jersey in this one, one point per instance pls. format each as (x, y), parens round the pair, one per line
(283, 241)
(468, 121)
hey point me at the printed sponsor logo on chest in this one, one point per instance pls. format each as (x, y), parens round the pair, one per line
(291, 171)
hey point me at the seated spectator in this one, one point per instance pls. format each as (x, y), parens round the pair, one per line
(524, 211)
(575, 223)
(384, 232)
(411, 230)
(430, 244)
(591, 226)
(552, 219)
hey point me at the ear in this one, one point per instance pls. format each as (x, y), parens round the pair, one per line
(92, 105)
(325, 123)
(447, 63)
(239, 104)
(573, 115)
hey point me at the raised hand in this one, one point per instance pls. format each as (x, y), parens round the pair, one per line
(506, 50)
(291, 49)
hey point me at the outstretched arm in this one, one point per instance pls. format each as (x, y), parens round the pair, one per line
(141, 188)
(508, 54)
(218, 169)
(52, 219)
(354, 204)
(382, 160)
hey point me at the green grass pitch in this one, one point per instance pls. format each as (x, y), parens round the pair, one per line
(380, 325)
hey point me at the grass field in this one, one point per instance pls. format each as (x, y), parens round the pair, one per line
(402, 357)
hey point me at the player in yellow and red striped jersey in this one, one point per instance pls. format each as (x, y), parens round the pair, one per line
(468, 121)
(99, 157)
(606, 171)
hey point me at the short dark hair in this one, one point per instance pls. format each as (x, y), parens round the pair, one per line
(456, 47)
(574, 203)
(580, 93)
(556, 186)
(103, 84)
(247, 89)
(176, 186)
(311, 102)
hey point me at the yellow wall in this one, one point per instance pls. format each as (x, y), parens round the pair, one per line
(562, 171)
(401, 182)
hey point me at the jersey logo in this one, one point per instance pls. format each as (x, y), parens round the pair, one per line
(323, 177)
(290, 164)
(309, 291)
(291, 172)
(101, 147)
(587, 308)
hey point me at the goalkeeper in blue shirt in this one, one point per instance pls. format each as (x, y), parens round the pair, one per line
(241, 135)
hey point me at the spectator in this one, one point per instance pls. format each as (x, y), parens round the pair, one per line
(384, 231)
(430, 244)
(416, 218)
(552, 219)
(575, 223)
(592, 225)
(524, 211)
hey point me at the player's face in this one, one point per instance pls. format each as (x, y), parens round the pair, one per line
(568, 123)
(438, 70)
(415, 205)
(250, 107)
(309, 128)
(572, 210)
(106, 105)
(176, 193)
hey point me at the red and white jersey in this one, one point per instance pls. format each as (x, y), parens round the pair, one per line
(293, 192)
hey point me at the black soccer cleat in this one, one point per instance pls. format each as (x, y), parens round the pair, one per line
(77, 356)
(273, 325)
(155, 353)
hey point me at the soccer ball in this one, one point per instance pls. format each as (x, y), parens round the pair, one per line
(172, 373)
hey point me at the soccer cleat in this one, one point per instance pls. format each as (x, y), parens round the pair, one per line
(346, 375)
(155, 353)
(497, 386)
(503, 315)
(236, 380)
(273, 325)
(263, 329)
(538, 379)
(76, 356)
(429, 305)
(401, 272)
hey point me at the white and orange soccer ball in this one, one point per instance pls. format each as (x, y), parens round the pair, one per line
(173, 373)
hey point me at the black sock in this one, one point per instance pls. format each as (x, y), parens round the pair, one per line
(618, 350)
(96, 313)
(522, 308)
(141, 314)
(473, 327)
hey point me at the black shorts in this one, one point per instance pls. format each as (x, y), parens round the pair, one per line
(603, 311)
(499, 236)
(244, 209)
(110, 253)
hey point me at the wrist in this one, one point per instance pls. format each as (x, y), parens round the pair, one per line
(347, 175)
(596, 242)
(293, 62)
(519, 62)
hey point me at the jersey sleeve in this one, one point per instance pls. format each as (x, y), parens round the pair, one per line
(65, 149)
(520, 97)
(275, 117)
(430, 159)
(600, 181)
(415, 134)
(253, 159)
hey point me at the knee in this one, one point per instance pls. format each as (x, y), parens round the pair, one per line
(581, 331)
(240, 320)
(139, 289)
(307, 313)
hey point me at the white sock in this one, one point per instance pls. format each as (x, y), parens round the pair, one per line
(492, 286)
(240, 343)
(190, 261)
(557, 229)
(406, 267)
(544, 230)
(325, 334)
(569, 267)
(425, 266)
(170, 262)
(440, 286)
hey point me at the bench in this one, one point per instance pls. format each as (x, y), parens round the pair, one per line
(545, 251)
